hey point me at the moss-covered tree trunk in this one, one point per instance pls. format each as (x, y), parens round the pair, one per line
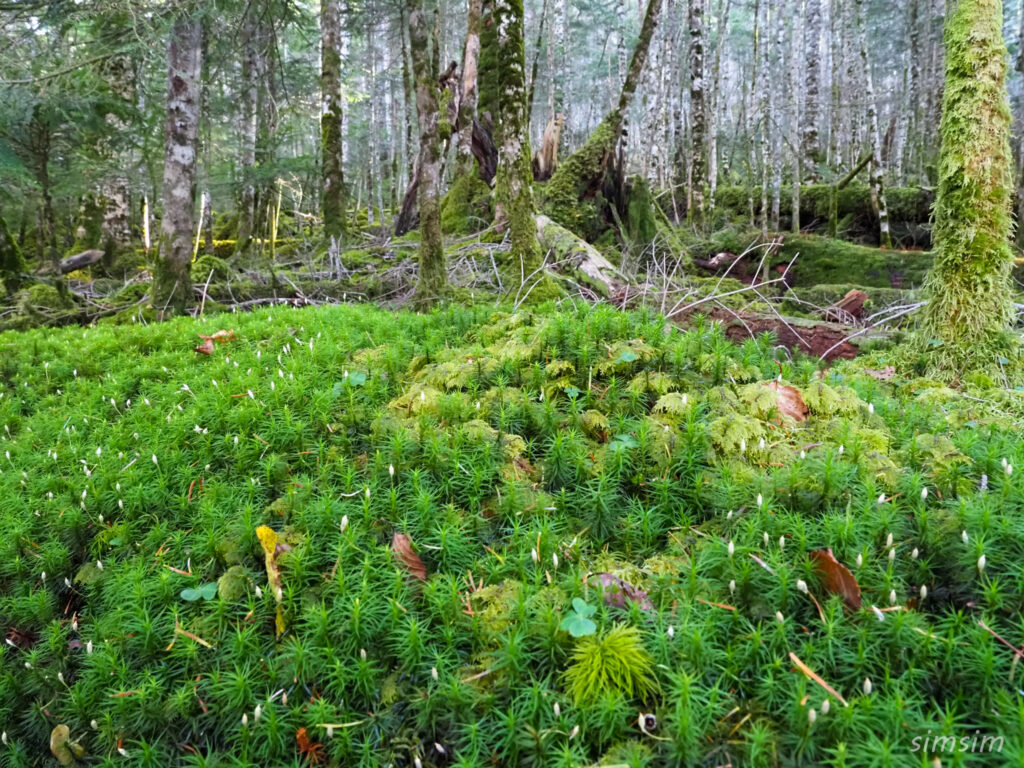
(584, 171)
(172, 284)
(331, 120)
(514, 191)
(969, 290)
(433, 274)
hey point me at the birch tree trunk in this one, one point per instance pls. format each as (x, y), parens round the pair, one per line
(331, 121)
(877, 171)
(810, 147)
(514, 194)
(172, 284)
(433, 274)
(697, 212)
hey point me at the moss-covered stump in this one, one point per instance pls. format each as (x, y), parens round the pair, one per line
(467, 206)
(573, 196)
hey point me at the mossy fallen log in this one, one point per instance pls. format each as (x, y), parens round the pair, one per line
(577, 258)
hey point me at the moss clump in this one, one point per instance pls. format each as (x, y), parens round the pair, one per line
(205, 264)
(640, 223)
(12, 263)
(970, 301)
(467, 206)
(579, 178)
(822, 261)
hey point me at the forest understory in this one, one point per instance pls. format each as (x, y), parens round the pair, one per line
(511, 383)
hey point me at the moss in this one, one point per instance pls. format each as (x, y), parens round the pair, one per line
(640, 222)
(579, 178)
(970, 300)
(12, 263)
(821, 261)
(824, 261)
(225, 227)
(467, 206)
(205, 264)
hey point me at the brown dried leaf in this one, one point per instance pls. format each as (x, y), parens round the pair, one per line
(401, 545)
(221, 336)
(836, 577)
(619, 593)
(790, 402)
(206, 348)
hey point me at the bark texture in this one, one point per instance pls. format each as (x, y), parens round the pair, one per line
(331, 120)
(699, 191)
(172, 285)
(874, 136)
(433, 275)
(514, 193)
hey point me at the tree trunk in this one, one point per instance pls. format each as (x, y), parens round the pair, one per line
(331, 121)
(248, 121)
(970, 299)
(467, 95)
(697, 212)
(514, 194)
(810, 148)
(172, 285)
(877, 171)
(433, 275)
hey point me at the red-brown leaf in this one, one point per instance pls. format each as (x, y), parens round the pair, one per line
(401, 545)
(206, 348)
(836, 577)
(790, 402)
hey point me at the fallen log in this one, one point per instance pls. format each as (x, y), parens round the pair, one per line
(80, 260)
(584, 262)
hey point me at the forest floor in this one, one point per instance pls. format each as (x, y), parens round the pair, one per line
(551, 536)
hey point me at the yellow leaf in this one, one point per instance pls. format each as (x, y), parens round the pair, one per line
(268, 540)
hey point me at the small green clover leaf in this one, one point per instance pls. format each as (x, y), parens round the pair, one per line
(577, 622)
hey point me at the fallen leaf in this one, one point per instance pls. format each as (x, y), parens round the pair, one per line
(206, 348)
(836, 577)
(401, 545)
(619, 593)
(790, 402)
(63, 748)
(268, 540)
(220, 336)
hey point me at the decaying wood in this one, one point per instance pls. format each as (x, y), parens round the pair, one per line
(851, 306)
(81, 260)
(545, 160)
(576, 255)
